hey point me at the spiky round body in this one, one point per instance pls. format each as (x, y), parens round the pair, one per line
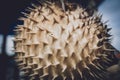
(54, 44)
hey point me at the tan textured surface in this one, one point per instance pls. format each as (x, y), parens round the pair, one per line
(55, 43)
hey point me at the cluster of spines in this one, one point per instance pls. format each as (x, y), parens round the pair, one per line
(53, 43)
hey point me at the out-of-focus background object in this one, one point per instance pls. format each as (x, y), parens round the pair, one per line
(111, 11)
(10, 10)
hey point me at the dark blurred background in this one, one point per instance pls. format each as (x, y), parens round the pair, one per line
(10, 11)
